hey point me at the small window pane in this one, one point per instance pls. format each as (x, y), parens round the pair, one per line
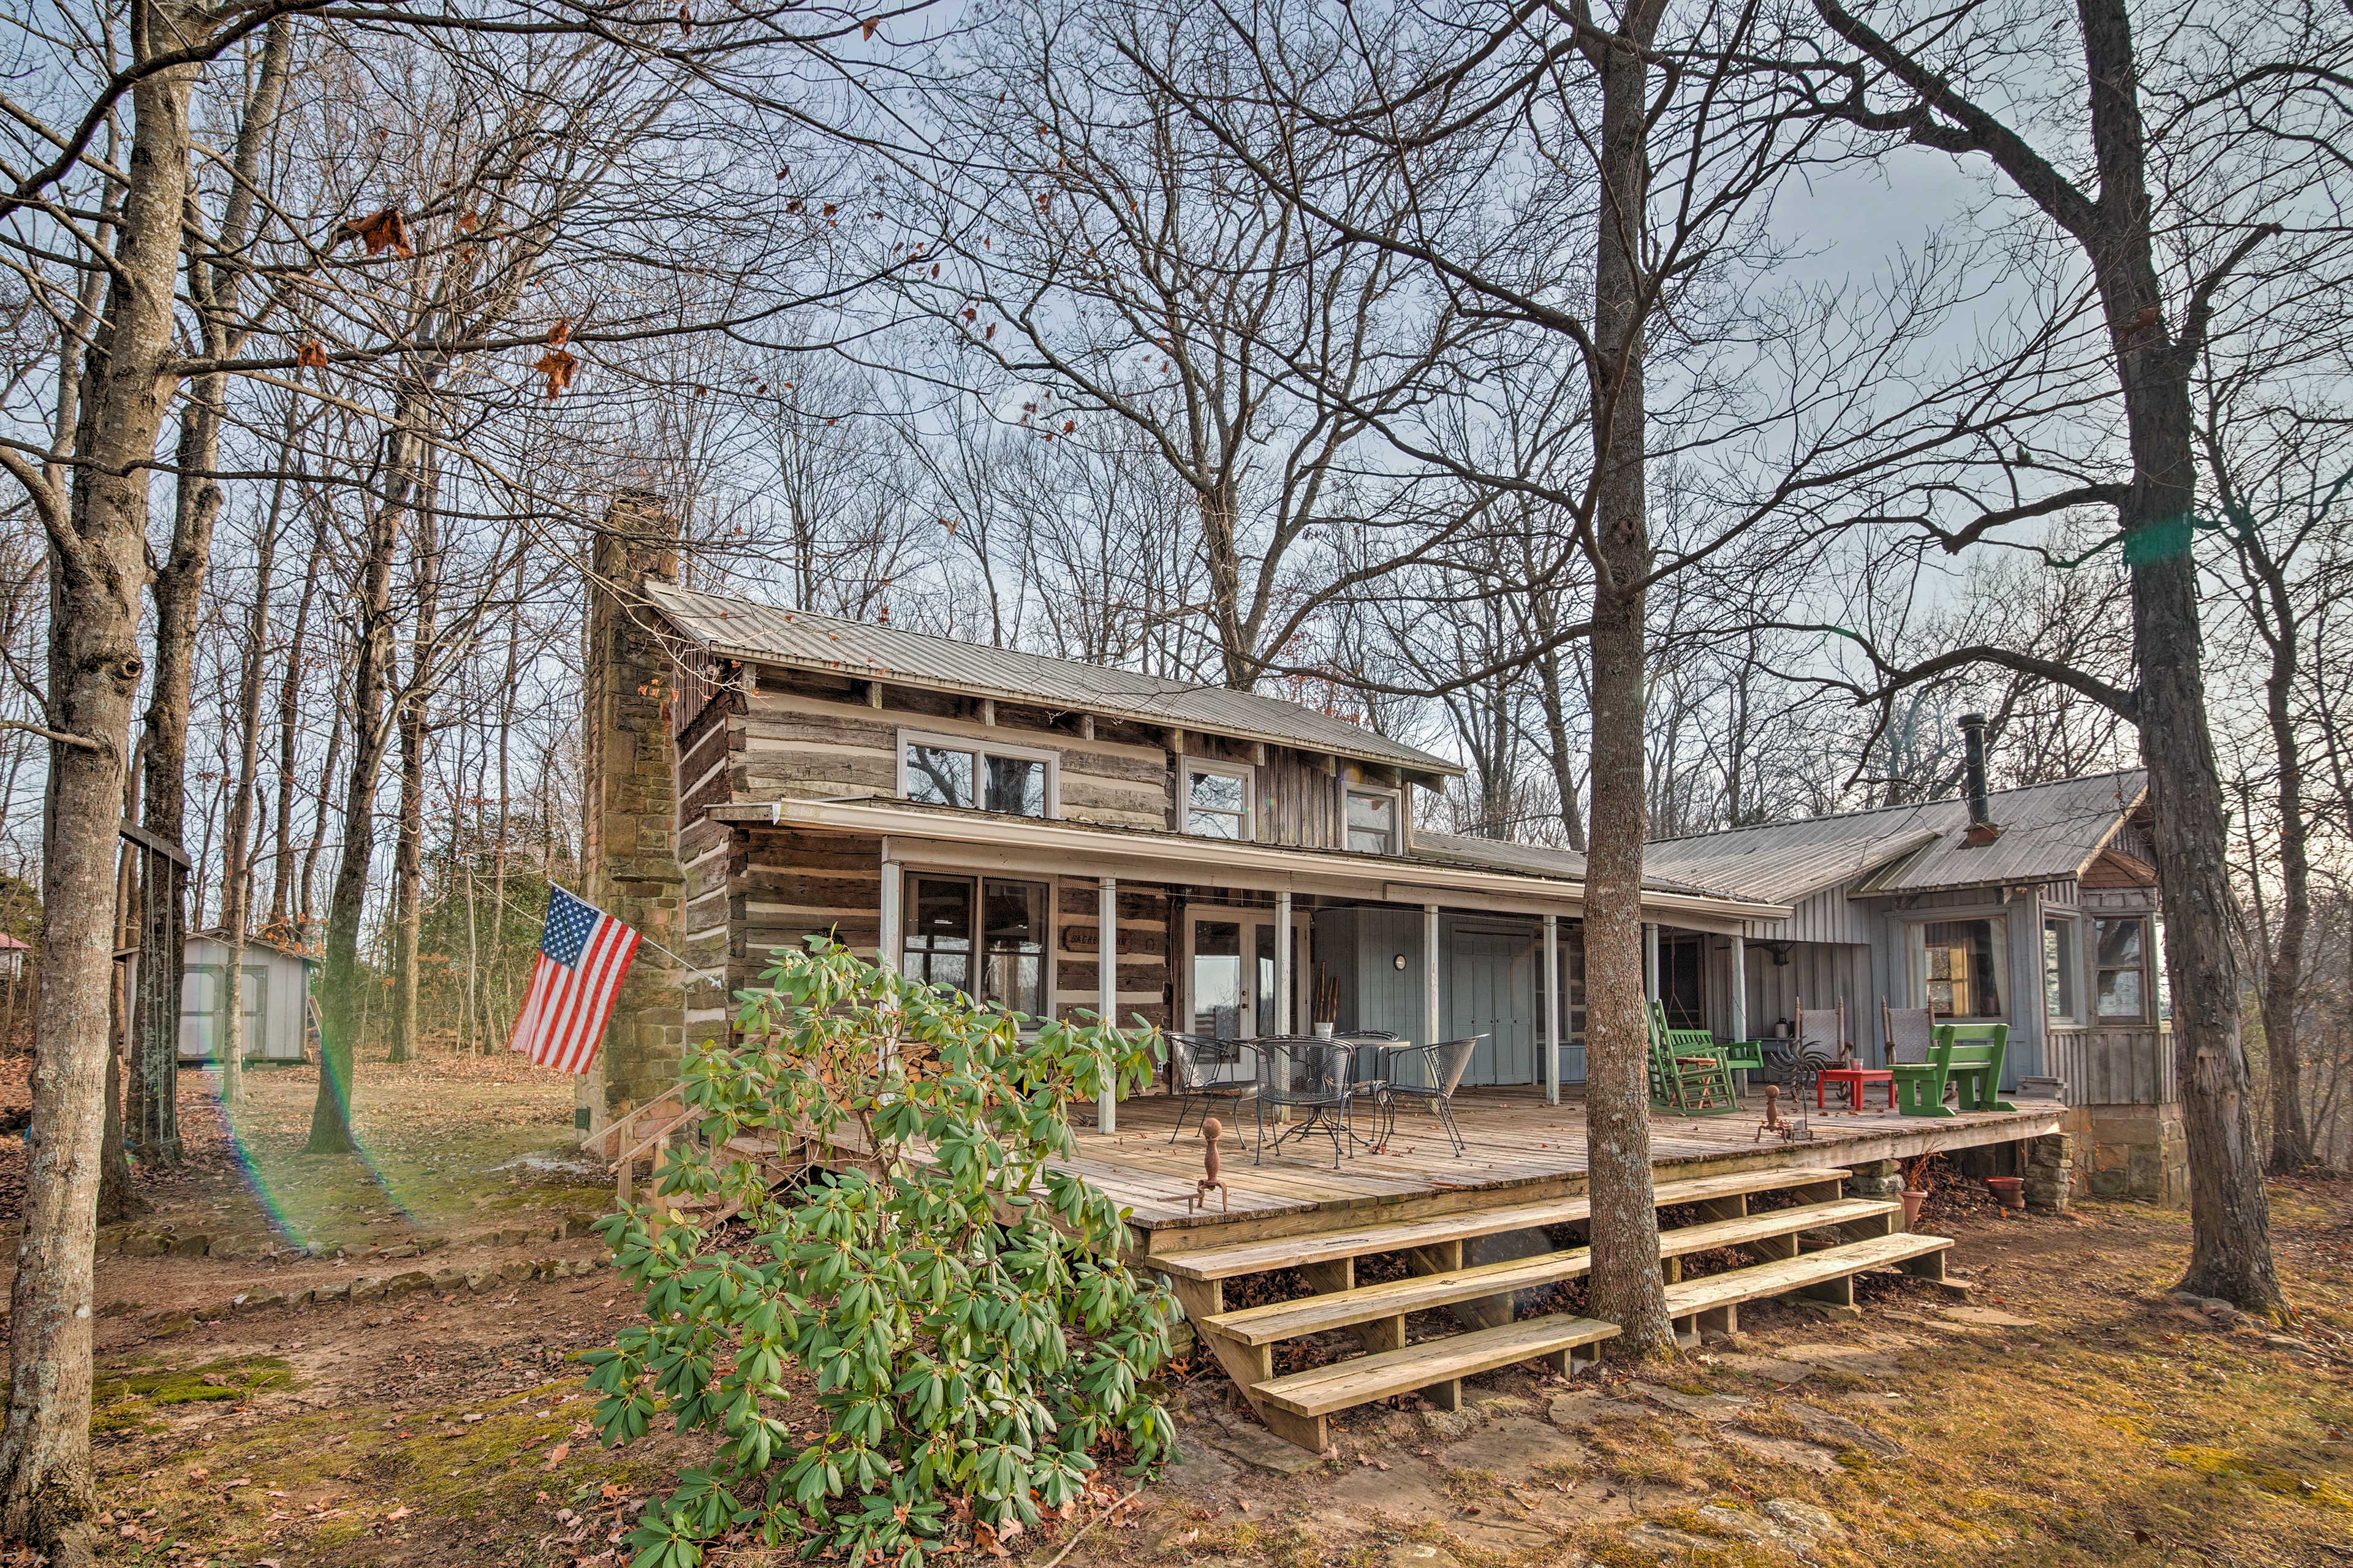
(2059, 968)
(1372, 823)
(1013, 944)
(938, 947)
(1961, 971)
(937, 777)
(1217, 792)
(1217, 806)
(2121, 948)
(1017, 785)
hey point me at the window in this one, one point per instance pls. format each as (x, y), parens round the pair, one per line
(2059, 1002)
(2120, 951)
(949, 770)
(1217, 801)
(1372, 822)
(951, 919)
(937, 777)
(939, 932)
(1959, 968)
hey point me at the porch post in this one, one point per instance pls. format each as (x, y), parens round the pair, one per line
(1283, 1022)
(1649, 962)
(895, 924)
(1430, 974)
(1552, 1010)
(1107, 987)
(1739, 986)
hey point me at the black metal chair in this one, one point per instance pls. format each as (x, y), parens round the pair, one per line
(1443, 1065)
(1310, 1075)
(1193, 1063)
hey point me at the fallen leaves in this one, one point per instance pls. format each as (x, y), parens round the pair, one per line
(556, 1456)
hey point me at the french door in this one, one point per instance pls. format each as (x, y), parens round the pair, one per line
(1229, 991)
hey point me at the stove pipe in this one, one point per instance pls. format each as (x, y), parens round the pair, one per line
(1982, 829)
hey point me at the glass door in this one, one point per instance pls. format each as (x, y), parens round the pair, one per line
(1229, 980)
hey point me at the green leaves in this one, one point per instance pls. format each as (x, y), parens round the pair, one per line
(959, 1307)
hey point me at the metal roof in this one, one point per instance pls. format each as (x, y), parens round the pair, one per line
(1508, 855)
(2048, 831)
(747, 629)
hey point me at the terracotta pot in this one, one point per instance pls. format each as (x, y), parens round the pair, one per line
(2011, 1190)
(1913, 1199)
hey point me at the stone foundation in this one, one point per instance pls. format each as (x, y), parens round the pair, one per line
(2050, 1184)
(2137, 1151)
(1880, 1179)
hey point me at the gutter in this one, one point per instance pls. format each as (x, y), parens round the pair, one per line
(1191, 859)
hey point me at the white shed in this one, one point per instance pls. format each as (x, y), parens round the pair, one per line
(276, 997)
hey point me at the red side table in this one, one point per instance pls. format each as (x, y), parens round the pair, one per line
(1855, 1079)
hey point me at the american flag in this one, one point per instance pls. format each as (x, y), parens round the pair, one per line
(583, 954)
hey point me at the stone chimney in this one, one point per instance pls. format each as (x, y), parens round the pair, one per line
(630, 789)
(1982, 828)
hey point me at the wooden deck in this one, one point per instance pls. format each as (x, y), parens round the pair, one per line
(1519, 1148)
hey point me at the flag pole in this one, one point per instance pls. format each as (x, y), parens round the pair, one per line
(643, 939)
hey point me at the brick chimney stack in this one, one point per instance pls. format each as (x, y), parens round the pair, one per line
(629, 790)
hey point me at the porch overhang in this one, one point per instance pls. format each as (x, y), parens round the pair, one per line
(1064, 847)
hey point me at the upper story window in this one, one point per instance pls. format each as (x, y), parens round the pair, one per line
(1217, 800)
(1958, 964)
(986, 776)
(1373, 822)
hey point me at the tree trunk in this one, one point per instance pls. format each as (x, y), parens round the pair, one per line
(409, 846)
(1626, 1286)
(2231, 1253)
(2292, 1148)
(372, 676)
(98, 568)
(290, 716)
(1558, 752)
(236, 895)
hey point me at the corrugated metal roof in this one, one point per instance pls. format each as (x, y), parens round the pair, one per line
(1504, 854)
(2048, 831)
(745, 629)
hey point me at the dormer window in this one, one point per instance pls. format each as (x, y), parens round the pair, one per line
(985, 775)
(1372, 822)
(1217, 800)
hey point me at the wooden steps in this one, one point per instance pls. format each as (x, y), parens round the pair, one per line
(1860, 1235)
(1370, 1303)
(1214, 1263)
(1714, 1301)
(1436, 1368)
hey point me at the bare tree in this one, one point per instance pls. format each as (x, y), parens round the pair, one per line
(1905, 76)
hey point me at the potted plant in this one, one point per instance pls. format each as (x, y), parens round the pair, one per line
(1914, 1195)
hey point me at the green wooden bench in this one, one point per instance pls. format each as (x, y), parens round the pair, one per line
(1689, 1073)
(1967, 1056)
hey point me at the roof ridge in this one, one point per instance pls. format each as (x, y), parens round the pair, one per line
(1881, 810)
(788, 610)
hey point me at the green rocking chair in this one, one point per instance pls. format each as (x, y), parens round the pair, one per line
(1690, 1075)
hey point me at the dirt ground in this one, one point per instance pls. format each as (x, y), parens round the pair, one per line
(2062, 1412)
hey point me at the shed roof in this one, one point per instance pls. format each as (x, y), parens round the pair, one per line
(2049, 831)
(1539, 860)
(746, 628)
